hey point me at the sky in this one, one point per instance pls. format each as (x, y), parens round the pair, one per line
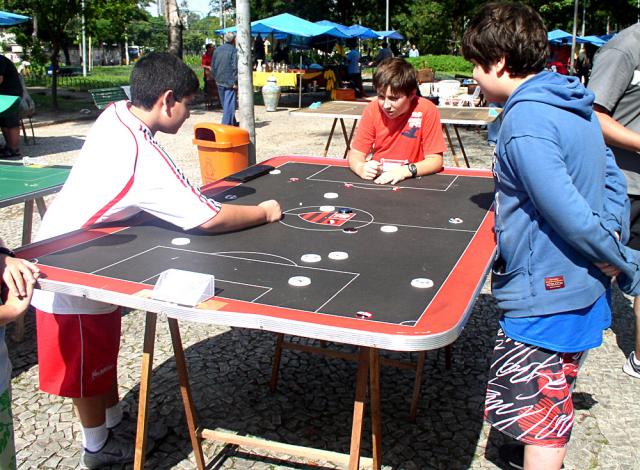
(198, 6)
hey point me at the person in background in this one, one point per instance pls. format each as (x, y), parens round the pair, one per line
(210, 87)
(354, 74)
(615, 80)
(10, 118)
(383, 53)
(413, 52)
(258, 49)
(225, 72)
(583, 65)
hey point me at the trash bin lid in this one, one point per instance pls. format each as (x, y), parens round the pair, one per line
(211, 134)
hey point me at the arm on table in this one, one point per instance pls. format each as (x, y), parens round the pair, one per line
(19, 275)
(432, 163)
(367, 170)
(233, 217)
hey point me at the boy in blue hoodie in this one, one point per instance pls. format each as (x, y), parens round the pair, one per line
(561, 215)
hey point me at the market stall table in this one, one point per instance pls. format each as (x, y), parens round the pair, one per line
(453, 116)
(433, 239)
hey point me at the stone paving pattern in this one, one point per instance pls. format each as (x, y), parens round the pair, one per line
(230, 368)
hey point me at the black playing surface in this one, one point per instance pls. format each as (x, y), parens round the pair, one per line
(255, 265)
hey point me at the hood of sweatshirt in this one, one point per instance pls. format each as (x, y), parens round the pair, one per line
(554, 89)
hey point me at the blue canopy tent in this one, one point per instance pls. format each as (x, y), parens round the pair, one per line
(595, 40)
(354, 31)
(362, 32)
(11, 19)
(391, 34)
(606, 37)
(558, 36)
(289, 24)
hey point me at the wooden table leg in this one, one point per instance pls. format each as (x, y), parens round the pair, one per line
(417, 385)
(451, 147)
(333, 128)
(277, 355)
(358, 408)
(145, 388)
(185, 391)
(27, 228)
(376, 418)
(27, 222)
(41, 206)
(353, 129)
(464, 154)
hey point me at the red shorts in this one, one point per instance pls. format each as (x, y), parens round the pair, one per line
(78, 354)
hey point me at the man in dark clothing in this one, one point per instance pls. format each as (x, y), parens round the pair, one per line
(10, 119)
(225, 71)
(383, 53)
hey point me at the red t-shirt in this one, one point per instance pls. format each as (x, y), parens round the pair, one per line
(408, 137)
(206, 60)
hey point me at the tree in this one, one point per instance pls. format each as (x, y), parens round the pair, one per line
(174, 25)
(53, 18)
(110, 21)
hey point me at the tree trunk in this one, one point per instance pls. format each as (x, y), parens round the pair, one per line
(174, 25)
(65, 51)
(54, 74)
(245, 74)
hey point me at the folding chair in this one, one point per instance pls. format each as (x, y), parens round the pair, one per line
(470, 99)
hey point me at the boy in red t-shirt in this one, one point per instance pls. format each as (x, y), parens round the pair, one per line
(400, 127)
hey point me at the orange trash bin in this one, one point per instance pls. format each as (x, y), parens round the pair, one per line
(222, 150)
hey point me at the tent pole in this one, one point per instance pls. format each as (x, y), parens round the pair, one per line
(300, 84)
(572, 68)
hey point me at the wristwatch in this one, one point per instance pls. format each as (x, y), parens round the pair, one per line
(7, 252)
(412, 169)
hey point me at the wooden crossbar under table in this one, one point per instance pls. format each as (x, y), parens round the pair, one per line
(368, 370)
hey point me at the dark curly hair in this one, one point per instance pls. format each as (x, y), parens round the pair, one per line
(158, 72)
(510, 30)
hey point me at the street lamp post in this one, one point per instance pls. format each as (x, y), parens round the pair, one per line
(386, 24)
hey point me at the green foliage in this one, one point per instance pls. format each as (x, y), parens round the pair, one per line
(443, 64)
(150, 33)
(426, 24)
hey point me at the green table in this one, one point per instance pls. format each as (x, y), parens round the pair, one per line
(29, 184)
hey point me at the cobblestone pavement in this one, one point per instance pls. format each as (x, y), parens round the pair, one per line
(230, 368)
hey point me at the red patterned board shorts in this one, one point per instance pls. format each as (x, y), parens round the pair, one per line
(529, 392)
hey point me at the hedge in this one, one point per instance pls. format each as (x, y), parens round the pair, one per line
(443, 64)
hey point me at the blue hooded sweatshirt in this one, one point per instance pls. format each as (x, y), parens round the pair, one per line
(560, 200)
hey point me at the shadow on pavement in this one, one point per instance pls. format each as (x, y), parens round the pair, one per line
(313, 405)
(46, 146)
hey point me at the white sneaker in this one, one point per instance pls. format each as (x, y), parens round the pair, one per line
(632, 366)
(114, 451)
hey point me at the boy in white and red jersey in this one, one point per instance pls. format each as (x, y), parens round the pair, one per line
(398, 126)
(120, 172)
